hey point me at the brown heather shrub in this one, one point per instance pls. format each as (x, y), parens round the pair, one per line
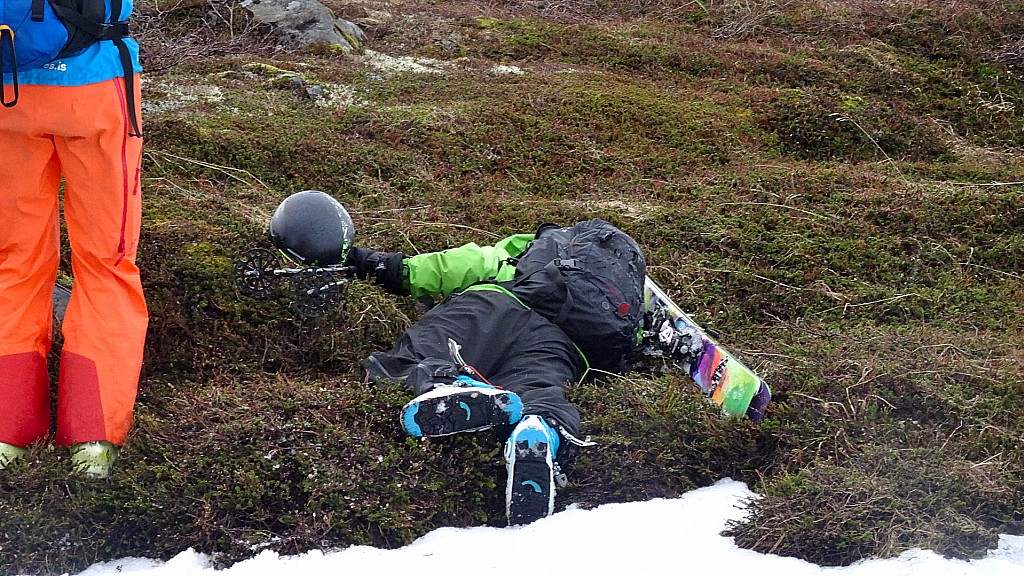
(834, 187)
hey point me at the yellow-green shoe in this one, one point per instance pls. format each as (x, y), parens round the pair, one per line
(9, 454)
(94, 459)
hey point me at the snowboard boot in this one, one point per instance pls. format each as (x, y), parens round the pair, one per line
(9, 454)
(465, 405)
(529, 459)
(94, 459)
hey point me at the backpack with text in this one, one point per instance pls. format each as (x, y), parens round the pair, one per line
(34, 33)
(587, 279)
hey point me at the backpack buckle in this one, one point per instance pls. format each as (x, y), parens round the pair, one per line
(113, 31)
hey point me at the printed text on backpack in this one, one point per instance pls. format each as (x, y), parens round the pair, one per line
(36, 32)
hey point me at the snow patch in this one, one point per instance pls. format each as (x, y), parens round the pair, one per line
(662, 537)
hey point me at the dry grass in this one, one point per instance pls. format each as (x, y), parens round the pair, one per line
(835, 187)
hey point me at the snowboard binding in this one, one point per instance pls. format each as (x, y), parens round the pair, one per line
(663, 338)
(260, 273)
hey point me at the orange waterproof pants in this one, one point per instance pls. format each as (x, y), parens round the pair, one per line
(82, 133)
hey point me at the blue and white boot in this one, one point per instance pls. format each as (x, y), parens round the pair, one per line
(465, 405)
(530, 462)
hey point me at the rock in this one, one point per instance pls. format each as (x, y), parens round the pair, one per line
(307, 23)
(315, 92)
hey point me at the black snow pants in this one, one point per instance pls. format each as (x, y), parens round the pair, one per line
(510, 345)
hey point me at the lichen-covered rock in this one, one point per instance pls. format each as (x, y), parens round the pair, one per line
(307, 23)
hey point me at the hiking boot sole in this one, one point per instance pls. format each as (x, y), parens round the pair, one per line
(530, 491)
(450, 410)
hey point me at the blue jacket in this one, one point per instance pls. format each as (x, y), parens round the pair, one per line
(95, 63)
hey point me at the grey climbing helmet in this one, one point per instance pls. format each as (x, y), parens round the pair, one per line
(312, 228)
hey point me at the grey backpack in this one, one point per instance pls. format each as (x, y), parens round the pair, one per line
(587, 279)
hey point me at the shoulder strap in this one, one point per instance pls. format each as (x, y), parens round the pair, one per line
(129, 85)
(7, 36)
(129, 70)
(99, 30)
(37, 10)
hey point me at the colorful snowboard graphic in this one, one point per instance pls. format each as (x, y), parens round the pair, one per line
(730, 384)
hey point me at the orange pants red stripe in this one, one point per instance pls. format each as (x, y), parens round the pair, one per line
(79, 133)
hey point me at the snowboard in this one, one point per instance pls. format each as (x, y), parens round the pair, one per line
(722, 377)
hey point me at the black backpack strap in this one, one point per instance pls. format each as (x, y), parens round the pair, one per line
(37, 10)
(7, 36)
(554, 274)
(129, 85)
(129, 69)
(545, 227)
(98, 30)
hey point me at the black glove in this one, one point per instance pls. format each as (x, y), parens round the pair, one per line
(364, 260)
(384, 268)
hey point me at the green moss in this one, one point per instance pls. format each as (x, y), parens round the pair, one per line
(485, 22)
(835, 195)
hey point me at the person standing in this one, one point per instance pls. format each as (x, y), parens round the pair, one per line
(76, 118)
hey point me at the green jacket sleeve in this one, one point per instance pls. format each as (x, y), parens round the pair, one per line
(441, 273)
